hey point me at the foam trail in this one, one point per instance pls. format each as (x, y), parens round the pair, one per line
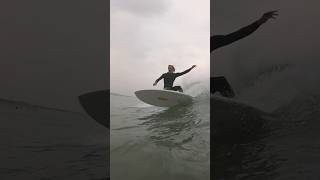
(197, 88)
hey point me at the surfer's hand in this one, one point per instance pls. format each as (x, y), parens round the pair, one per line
(268, 15)
(193, 66)
(154, 84)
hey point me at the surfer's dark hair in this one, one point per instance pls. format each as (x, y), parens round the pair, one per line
(171, 66)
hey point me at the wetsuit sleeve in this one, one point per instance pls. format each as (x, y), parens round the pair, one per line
(218, 41)
(184, 72)
(159, 78)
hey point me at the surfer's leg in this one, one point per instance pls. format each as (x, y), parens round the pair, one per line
(221, 85)
(177, 88)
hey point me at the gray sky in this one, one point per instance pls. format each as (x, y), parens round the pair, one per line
(147, 35)
(52, 51)
(293, 35)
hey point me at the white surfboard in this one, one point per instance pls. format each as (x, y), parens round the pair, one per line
(163, 98)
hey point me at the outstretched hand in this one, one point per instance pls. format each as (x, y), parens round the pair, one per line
(269, 15)
(154, 84)
(193, 66)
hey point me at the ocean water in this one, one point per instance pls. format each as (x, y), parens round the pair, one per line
(286, 145)
(40, 143)
(277, 139)
(148, 142)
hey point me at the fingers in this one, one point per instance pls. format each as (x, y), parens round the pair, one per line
(270, 15)
(272, 12)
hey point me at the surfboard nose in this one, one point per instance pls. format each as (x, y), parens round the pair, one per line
(137, 93)
(96, 104)
(140, 94)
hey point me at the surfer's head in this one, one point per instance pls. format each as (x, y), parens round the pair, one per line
(171, 68)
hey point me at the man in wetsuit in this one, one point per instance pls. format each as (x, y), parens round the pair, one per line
(169, 78)
(220, 84)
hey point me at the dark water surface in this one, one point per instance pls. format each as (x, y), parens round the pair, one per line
(286, 147)
(47, 144)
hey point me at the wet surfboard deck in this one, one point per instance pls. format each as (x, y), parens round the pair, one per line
(163, 98)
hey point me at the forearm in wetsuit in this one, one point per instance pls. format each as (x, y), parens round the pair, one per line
(218, 41)
(159, 78)
(184, 72)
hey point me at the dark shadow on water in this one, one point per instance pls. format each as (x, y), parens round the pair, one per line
(245, 161)
(240, 148)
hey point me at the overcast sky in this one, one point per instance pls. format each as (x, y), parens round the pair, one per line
(147, 35)
(292, 38)
(52, 51)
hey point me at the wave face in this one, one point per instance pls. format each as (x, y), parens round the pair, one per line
(169, 143)
(288, 145)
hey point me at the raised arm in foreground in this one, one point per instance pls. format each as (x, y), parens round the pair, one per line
(218, 41)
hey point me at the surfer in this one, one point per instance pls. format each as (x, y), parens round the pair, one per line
(221, 84)
(169, 78)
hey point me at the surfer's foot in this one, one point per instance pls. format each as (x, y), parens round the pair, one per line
(177, 88)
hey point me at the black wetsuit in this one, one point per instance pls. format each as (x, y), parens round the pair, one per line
(218, 41)
(220, 84)
(169, 78)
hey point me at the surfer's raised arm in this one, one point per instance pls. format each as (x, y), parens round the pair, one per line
(186, 71)
(218, 41)
(155, 83)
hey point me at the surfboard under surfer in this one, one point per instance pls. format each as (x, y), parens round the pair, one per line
(169, 78)
(220, 84)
